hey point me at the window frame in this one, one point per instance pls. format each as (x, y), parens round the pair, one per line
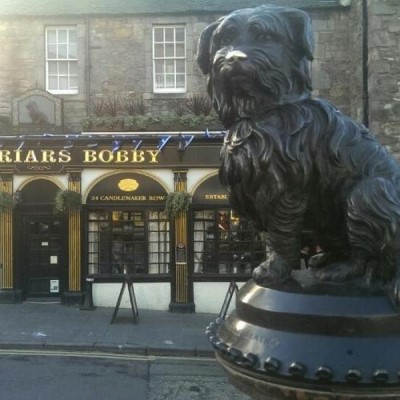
(217, 254)
(97, 245)
(58, 60)
(174, 58)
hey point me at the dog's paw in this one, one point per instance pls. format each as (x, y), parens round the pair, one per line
(322, 259)
(271, 271)
(264, 274)
(339, 271)
(395, 292)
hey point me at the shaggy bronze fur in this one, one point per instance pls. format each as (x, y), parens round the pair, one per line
(291, 161)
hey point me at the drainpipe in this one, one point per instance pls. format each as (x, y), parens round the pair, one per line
(87, 64)
(364, 11)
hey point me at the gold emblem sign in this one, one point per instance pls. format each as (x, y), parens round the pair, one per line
(128, 185)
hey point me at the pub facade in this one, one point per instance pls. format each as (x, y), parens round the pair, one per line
(182, 262)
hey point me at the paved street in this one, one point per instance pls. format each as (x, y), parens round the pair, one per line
(49, 375)
(49, 351)
(53, 326)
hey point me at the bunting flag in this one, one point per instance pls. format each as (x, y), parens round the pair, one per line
(208, 135)
(163, 141)
(137, 143)
(185, 141)
(116, 145)
(68, 145)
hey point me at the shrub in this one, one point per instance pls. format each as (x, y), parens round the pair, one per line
(199, 104)
(111, 105)
(134, 105)
(159, 123)
(97, 107)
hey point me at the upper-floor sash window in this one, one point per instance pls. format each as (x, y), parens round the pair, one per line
(169, 59)
(61, 60)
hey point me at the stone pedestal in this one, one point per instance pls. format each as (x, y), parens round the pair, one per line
(305, 340)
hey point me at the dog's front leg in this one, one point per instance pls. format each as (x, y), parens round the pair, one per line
(274, 269)
(284, 231)
(395, 284)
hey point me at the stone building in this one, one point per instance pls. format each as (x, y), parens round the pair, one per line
(72, 70)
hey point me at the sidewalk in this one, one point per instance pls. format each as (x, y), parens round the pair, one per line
(54, 326)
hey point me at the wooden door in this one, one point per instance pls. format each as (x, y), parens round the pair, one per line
(44, 261)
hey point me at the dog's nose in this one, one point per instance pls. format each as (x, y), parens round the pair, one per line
(235, 55)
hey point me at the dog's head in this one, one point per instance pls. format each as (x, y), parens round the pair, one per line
(256, 58)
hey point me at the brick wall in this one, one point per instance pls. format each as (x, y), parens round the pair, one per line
(115, 56)
(356, 95)
(121, 58)
(330, 68)
(384, 70)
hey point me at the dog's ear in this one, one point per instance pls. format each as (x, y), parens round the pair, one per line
(204, 49)
(302, 34)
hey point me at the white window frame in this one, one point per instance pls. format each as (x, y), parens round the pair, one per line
(174, 58)
(58, 60)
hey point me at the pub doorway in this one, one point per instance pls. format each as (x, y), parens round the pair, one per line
(44, 261)
(43, 239)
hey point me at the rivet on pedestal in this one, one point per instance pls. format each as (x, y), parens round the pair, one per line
(324, 373)
(272, 365)
(380, 376)
(353, 376)
(297, 369)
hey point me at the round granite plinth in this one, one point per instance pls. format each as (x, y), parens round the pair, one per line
(306, 341)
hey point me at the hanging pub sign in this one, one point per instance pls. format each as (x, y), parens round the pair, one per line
(127, 189)
(211, 192)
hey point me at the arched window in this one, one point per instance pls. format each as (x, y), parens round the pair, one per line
(222, 242)
(128, 231)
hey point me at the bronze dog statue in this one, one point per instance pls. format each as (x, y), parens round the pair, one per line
(291, 161)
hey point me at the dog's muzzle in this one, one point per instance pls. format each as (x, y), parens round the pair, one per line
(235, 55)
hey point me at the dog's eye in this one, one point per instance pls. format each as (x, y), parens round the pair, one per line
(264, 37)
(226, 36)
(226, 40)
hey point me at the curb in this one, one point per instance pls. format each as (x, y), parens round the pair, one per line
(108, 348)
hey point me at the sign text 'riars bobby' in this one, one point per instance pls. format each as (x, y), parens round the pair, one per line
(88, 156)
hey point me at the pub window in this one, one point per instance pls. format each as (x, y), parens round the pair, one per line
(128, 241)
(169, 59)
(61, 60)
(223, 243)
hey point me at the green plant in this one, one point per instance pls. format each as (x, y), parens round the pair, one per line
(111, 105)
(167, 121)
(134, 105)
(199, 104)
(142, 122)
(67, 200)
(177, 202)
(87, 124)
(191, 121)
(7, 201)
(97, 107)
(161, 122)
